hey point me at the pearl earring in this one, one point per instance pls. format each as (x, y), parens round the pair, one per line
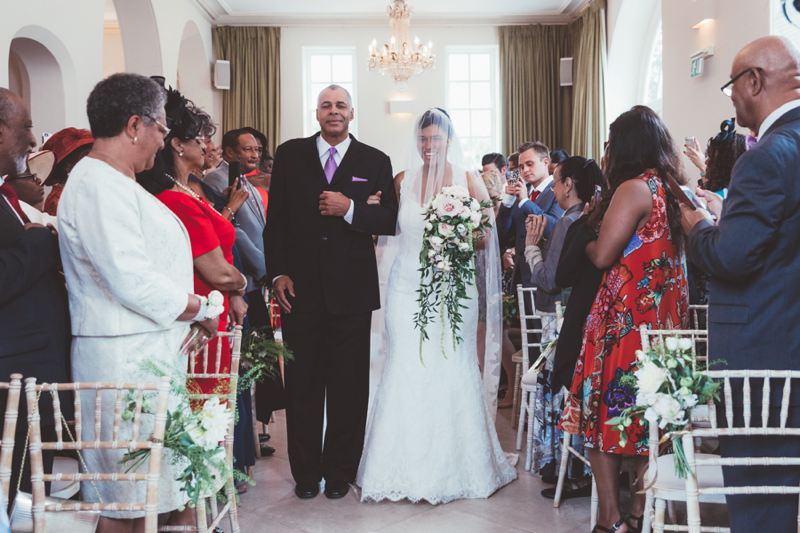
(180, 154)
(135, 140)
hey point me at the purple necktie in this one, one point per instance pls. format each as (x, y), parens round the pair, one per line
(330, 164)
(750, 141)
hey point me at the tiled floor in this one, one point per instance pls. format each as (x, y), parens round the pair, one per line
(271, 506)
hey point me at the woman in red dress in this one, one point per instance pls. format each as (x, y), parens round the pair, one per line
(639, 246)
(211, 235)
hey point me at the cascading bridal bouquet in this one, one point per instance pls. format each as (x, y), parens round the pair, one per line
(194, 432)
(667, 387)
(454, 222)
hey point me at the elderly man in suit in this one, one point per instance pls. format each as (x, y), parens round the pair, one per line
(753, 257)
(34, 321)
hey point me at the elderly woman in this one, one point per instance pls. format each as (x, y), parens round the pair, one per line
(128, 265)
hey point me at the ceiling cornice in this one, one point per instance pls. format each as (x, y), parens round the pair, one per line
(221, 14)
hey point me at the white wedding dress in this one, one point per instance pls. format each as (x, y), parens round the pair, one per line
(430, 434)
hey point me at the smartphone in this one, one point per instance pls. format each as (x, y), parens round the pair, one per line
(679, 193)
(234, 172)
(690, 141)
(513, 177)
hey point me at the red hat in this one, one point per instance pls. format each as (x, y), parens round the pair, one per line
(64, 142)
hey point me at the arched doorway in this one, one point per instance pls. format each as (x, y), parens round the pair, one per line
(194, 68)
(37, 76)
(140, 38)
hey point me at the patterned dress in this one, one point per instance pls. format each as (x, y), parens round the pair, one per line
(646, 285)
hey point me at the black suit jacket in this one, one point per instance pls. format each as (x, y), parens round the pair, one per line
(34, 320)
(332, 263)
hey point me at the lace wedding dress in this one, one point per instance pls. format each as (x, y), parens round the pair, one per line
(430, 434)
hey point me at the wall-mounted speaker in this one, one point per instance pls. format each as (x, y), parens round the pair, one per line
(222, 74)
(565, 72)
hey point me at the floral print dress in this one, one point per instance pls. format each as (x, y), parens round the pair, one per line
(647, 286)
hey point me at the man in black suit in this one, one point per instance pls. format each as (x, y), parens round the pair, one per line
(321, 259)
(753, 257)
(34, 321)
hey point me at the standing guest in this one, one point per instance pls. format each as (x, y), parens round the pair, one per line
(495, 162)
(34, 322)
(513, 162)
(574, 184)
(69, 146)
(753, 258)
(320, 253)
(210, 234)
(557, 156)
(639, 247)
(213, 156)
(533, 197)
(128, 264)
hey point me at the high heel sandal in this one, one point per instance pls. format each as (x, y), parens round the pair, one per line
(614, 528)
(639, 521)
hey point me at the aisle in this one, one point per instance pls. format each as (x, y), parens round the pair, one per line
(271, 506)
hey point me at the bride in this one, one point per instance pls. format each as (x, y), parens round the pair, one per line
(431, 432)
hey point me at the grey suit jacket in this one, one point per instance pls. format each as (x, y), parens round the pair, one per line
(249, 223)
(753, 256)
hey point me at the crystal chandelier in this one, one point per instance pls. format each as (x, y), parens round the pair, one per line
(399, 58)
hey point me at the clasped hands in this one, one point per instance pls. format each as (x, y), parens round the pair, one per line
(333, 204)
(534, 229)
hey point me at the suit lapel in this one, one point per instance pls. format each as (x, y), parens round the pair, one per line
(8, 211)
(790, 116)
(316, 164)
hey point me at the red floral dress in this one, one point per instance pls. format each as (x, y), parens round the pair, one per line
(647, 285)
(207, 230)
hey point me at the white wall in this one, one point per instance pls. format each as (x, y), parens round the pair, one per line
(390, 133)
(695, 107)
(73, 32)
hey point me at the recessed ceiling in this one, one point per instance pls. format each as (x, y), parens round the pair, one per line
(365, 11)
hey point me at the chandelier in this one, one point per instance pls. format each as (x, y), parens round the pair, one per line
(399, 58)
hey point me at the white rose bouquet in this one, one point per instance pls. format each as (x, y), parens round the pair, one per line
(454, 222)
(667, 388)
(194, 433)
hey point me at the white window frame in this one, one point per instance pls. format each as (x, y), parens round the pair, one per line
(310, 125)
(494, 85)
(658, 104)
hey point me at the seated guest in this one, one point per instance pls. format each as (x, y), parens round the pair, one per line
(128, 265)
(557, 156)
(210, 234)
(69, 146)
(34, 322)
(753, 258)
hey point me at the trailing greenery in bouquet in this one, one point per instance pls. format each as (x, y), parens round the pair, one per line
(510, 310)
(454, 222)
(260, 356)
(194, 434)
(668, 387)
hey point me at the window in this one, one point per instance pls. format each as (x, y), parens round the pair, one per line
(780, 25)
(654, 82)
(471, 99)
(323, 67)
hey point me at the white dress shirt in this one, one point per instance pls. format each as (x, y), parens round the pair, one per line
(539, 188)
(323, 148)
(773, 117)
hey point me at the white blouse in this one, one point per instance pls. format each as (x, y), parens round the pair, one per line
(126, 256)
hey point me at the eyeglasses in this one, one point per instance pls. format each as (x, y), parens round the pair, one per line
(161, 127)
(727, 89)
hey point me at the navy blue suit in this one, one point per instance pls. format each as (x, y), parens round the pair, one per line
(753, 258)
(511, 227)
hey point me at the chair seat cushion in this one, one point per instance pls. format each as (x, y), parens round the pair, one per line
(670, 486)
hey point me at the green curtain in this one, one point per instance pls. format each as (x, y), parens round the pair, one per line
(255, 94)
(535, 107)
(589, 128)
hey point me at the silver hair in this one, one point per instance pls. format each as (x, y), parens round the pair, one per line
(334, 87)
(119, 97)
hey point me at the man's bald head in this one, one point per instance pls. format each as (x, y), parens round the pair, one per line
(770, 77)
(16, 137)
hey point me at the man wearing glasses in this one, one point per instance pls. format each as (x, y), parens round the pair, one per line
(753, 257)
